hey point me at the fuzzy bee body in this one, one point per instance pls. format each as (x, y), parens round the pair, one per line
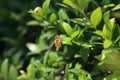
(57, 41)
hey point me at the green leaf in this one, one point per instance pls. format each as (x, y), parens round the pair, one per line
(117, 39)
(108, 28)
(96, 17)
(86, 45)
(52, 60)
(51, 27)
(70, 3)
(66, 40)
(47, 69)
(83, 3)
(37, 13)
(13, 73)
(100, 33)
(104, 2)
(106, 31)
(81, 74)
(16, 58)
(117, 7)
(45, 7)
(106, 16)
(94, 39)
(82, 22)
(74, 34)
(38, 10)
(68, 29)
(4, 68)
(110, 5)
(84, 52)
(116, 34)
(66, 70)
(74, 70)
(62, 15)
(33, 47)
(46, 58)
(33, 23)
(112, 21)
(30, 71)
(81, 77)
(78, 66)
(53, 17)
(107, 43)
(115, 76)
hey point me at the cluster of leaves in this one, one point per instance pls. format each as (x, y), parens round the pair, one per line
(90, 41)
(90, 48)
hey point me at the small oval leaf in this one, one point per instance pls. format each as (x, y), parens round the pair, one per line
(45, 7)
(107, 43)
(62, 15)
(74, 34)
(96, 17)
(68, 29)
(53, 17)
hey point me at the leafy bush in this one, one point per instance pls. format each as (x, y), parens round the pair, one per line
(90, 41)
(79, 40)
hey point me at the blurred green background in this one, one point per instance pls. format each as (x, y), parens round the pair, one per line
(14, 33)
(13, 29)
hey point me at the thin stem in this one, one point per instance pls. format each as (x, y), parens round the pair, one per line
(83, 13)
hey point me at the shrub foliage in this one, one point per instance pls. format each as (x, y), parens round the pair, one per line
(78, 40)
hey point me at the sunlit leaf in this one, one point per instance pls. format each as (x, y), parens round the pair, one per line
(30, 71)
(52, 60)
(78, 66)
(107, 43)
(33, 47)
(66, 40)
(38, 10)
(53, 17)
(100, 33)
(37, 13)
(62, 15)
(33, 23)
(106, 16)
(45, 7)
(117, 7)
(48, 69)
(96, 17)
(68, 29)
(108, 28)
(74, 34)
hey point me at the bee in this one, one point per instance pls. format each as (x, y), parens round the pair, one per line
(57, 41)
